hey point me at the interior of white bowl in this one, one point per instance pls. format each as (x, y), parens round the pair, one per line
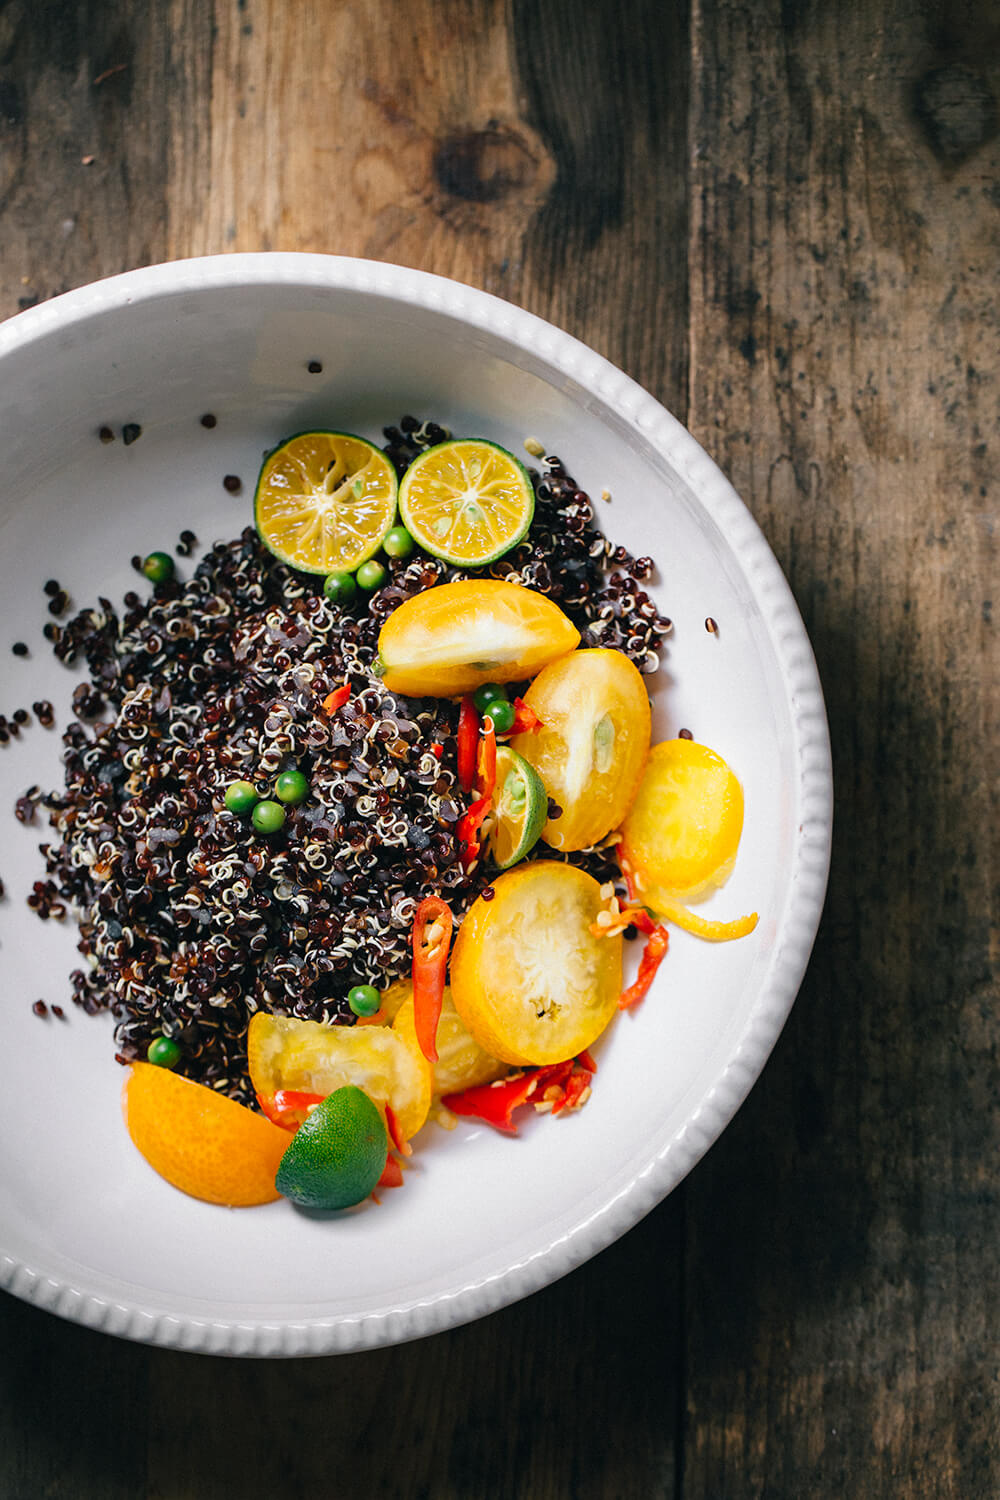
(86, 1227)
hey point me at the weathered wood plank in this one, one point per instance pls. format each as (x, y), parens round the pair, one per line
(844, 340)
(537, 151)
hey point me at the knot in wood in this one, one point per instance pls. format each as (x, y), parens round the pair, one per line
(956, 107)
(481, 166)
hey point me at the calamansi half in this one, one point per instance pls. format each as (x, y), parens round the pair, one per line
(467, 501)
(337, 1155)
(325, 501)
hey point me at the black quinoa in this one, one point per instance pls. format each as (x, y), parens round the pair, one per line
(189, 919)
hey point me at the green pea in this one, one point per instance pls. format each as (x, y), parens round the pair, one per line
(291, 787)
(502, 714)
(398, 542)
(340, 588)
(371, 575)
(364, 999)
(158, 567)
(162, 1052)
(487, 694)
(268, 816)
(241, 797)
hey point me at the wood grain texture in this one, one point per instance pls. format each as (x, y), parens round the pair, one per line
(783, 219)
(844, 1302)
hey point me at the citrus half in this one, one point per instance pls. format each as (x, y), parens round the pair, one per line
(325, 501)
(200, 1141)
(467, 501)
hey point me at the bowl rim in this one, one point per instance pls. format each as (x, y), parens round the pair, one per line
(562, 352)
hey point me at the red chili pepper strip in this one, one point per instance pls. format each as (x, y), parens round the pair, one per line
(430, 960)
(526, 721)
(287, 1107)
(468, 743)
(394, 1135)
(586, 1062)
(576, 1086)
(468, 827)
(488, 759)
(495, 1103)
(437, 750)
(652, 956)
(392, 1173)
(336, 699)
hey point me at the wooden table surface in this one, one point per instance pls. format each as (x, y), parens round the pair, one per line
(783, 218)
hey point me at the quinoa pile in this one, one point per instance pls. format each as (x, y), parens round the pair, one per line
(189, 919)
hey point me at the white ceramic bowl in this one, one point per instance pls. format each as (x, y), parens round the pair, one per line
(87, 1230)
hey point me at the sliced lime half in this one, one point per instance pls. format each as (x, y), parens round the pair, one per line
(520, 809)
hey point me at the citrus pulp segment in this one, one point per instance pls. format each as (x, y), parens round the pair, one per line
(467, 501)
(324, 501)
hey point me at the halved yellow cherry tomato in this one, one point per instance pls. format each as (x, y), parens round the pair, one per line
(683, 829)
(449, 640)
(592, 745)
(308, 1056)
(528, 978)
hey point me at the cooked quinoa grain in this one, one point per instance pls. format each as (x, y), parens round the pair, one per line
(190, 920)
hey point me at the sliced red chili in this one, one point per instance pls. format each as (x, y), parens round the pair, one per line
(526, 721)
(488, 759)
(288, 1107)
(468, 829)
(495, 1103)
(576, 1086)
(336, 699)
(392, 1173)
(468, 743)
(394, 1132)
(652, 956)
(586, 1061)
(430, 961)
(437, 750)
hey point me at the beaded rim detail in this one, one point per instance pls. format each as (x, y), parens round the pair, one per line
(648, 421)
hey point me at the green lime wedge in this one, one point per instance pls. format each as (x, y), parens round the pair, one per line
(337, 1156)
(520, 808)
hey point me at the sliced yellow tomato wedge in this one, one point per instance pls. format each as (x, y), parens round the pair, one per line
(592, 745)
(309, 1057)
(528, 977)
(449, 640)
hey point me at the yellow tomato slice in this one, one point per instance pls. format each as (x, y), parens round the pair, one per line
(449, 640)
(592, 744)
(312, 1058)
(684, 827)
(528, 978)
